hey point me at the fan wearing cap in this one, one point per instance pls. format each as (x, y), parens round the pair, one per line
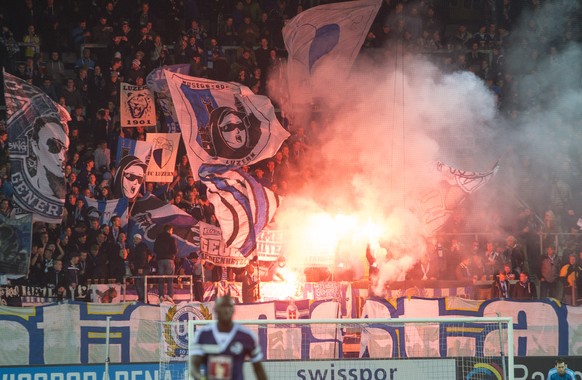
(135, 71)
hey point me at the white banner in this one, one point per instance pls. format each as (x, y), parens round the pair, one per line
(136, 106)
(163, 159)
(269, 244)
(214, 250)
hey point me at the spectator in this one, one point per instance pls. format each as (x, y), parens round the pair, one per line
(228, 34)
(514, 253)
(569, 277)
(165, 250)
(55, 69)
(549, 272)
(138, 259)
(85, 61)
(32, 42)
(249, 285)
(248, 33)
(102, 33)
(80, 35)
(501, 287)
(54, 278)
(524, 289)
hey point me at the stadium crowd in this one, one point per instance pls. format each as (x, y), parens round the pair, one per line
(78, 52)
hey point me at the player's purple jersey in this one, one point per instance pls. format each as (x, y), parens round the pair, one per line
(224, 354)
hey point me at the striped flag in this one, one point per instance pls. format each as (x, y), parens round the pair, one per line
(326, 36)
(243, 206)
(105, 209)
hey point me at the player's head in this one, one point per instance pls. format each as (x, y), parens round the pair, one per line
(224, 309)
(561, 366)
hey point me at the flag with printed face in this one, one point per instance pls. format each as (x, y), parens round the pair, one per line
(437, 204)
(37, 143)
(242, 206)
(163, 159)
(15, 245)
(105, 209)
(328, 36)
(149, 215)
(132, 161)
(156, 81)
(136, 106)
(224, 123)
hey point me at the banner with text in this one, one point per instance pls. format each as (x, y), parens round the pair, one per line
(137, 108)
(163, 159)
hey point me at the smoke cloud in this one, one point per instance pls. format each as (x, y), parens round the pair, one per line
(385, 124)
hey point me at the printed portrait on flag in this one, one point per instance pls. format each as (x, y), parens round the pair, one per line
(15, 245)
(224, 123)
(163, 160)
(129, 177)
(38, 143)
(136, 106)
(132, 163)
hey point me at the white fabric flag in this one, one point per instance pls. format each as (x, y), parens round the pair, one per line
(163, 159)
(224, 123)
(325, 37)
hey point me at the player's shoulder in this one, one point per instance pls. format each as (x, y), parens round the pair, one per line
(245, 330)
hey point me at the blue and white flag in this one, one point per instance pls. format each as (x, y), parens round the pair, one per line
(163, 160)
(224, 123)
(325, 37)
(15, 245)
(156, 81)
(435, 205)
(132, 161)
(105, 209)
(149, 215)
(37, 143)
(242, 206)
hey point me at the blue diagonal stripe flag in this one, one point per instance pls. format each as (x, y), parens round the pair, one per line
(329, 36)
(242, 206)
(105, 209)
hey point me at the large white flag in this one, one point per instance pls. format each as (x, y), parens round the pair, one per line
(163, 160)
(137, 107)
(37, 142)
(242, 206)
(325, 37)
(224, 123)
